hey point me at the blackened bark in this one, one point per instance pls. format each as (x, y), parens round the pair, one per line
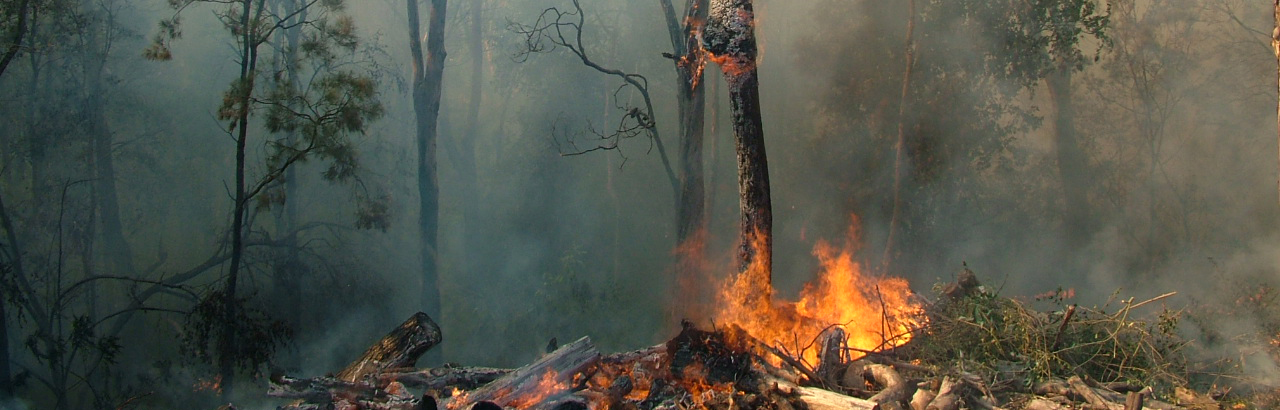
(1072, 165)
(428, 73)
(6, 377)
(691, 103)
(730, 38)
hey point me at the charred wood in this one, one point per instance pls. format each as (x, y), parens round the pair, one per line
(551, 376)
(399, 349)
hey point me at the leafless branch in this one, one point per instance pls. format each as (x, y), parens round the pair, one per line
(559, 29)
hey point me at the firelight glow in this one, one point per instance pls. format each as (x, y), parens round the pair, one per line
(876, 312)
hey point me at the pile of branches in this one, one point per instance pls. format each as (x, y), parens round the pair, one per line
(975, 351)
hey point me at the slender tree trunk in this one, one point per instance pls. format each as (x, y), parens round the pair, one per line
(1275, 46)
(119, 255)
(691, 229)
(899, 146)
(467, 144)
(227, 343)
(287, 278)
(1072, 165)
(6, 377)
(730, 38)
(428, 73)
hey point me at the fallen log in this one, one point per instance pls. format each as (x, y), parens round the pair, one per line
(1092, 397)
(920, 400)
(948, 397)
(819, 399)
(1040, 403)
(893, 389)
(442, 378)
(551, 376)
(399, 349)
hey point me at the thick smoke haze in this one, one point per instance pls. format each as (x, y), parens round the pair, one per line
(1174, 112)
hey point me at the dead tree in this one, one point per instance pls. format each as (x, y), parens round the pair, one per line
(691, 215)
(730, 39)
(560, 29)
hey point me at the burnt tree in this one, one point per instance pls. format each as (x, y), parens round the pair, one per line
(730, 39)
(691, 225)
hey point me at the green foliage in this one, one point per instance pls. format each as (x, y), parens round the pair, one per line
(1012, 343)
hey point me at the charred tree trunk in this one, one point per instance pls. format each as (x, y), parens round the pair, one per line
(899, 147)
(400, 348)
(428, 74)
(1072, 166)
(691, 102)
(730, 38)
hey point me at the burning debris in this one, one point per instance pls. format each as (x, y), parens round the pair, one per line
(969, 350)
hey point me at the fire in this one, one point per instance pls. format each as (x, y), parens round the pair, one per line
(875, 312)
(212, 384)
(547, 386)
(732, 66)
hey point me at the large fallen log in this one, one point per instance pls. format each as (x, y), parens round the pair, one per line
(399, 349)
(547, 378)
(819, 399)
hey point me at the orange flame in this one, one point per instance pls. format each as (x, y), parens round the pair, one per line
(547, 386)
(875, 312)
(212, 384)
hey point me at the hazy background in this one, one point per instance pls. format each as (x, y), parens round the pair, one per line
(1176, 119)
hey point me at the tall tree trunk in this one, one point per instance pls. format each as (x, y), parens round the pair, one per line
(119, 255)
(428, 73)
(691, 229)
(899, 146)
(6, 377)
(1275, 46)
(287, 276)
(248, 65)
(467, 145)
(1072, 166)
(730, 38)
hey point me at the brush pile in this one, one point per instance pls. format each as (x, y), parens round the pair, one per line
(975, 351)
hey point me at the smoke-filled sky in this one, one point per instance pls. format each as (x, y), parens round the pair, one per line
(1173, 111)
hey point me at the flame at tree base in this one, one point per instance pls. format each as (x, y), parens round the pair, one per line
(876, 312)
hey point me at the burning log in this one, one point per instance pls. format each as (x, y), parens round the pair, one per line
(399, 349)
(547, 378)
(832, 359)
